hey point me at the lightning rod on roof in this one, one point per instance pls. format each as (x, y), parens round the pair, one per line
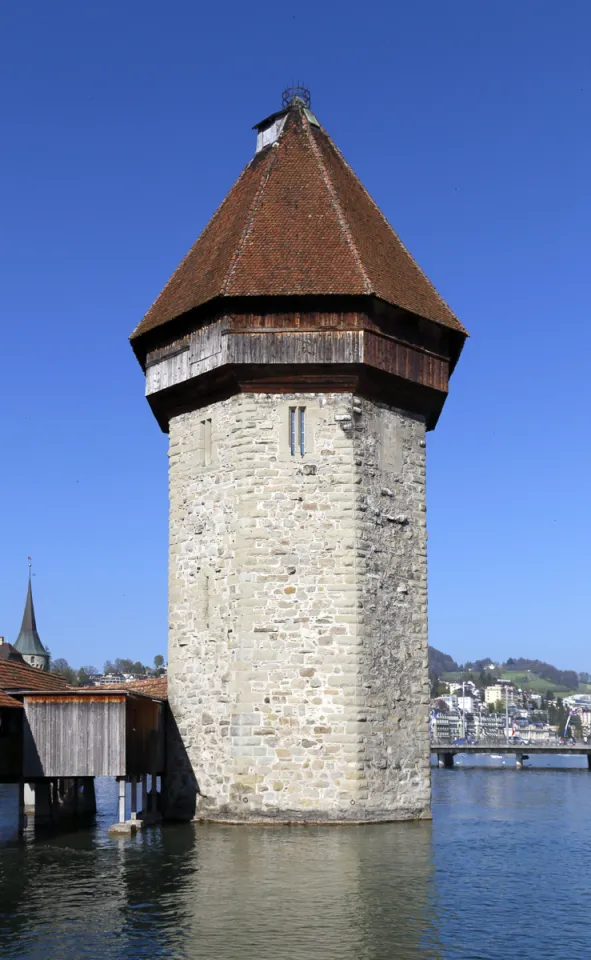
(296, 91)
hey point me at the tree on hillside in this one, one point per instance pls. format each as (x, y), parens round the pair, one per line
(560, 678)
(123, 665)
(76, 677)
(158, 661)
(486, 678)
(84, 675)
(479, 664)
(127, 666)
(440, 663)
(441, 706)
(64, 669)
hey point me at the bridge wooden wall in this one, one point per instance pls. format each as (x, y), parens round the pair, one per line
(75, 736)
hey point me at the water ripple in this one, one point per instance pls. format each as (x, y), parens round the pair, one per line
(501, 872)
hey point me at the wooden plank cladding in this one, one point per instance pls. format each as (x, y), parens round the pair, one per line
(78, 737)
(144, 736)
(318, 319)
(296, 347)
(76, 734)
(279, 351)
(405, 361)
(168, 371)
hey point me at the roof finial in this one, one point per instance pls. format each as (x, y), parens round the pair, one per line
(296, 92)
(30, 565)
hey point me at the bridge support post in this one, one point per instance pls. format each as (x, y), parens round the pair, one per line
(144, 795)
(122, 799)
(43, 803)
(125, 827)
(22, 818)
(29, 798)
(589, 761)
(445, 760)
(134, 798)
(88, 804)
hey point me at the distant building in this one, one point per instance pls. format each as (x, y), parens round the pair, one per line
(451, 701)
(466, 704)
(503, 690)
(467, 686)
(105, 679)
(8, 652)
(28, 643)
(581, 700)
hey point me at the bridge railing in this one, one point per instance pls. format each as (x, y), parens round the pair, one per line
(501, 742)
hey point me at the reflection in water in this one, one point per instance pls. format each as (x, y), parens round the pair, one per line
(321, 892)
(501, 872)
(220, 892)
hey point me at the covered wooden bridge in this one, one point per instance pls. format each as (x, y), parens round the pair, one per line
(55, 739)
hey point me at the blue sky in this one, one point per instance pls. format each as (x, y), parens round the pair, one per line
(124, 125)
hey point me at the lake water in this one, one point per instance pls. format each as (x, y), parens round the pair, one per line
(503, 871)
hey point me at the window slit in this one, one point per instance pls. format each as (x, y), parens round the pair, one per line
(292, 430)
(297, 430)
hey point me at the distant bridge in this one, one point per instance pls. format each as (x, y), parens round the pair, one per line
(446, 752)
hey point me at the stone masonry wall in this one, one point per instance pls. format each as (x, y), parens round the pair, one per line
(297, 643)
(392, 594)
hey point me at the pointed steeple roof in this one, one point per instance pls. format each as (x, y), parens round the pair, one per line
(297, 222)
(28, 641)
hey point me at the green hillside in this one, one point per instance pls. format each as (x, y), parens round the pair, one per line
(531, 681)
(526, 680)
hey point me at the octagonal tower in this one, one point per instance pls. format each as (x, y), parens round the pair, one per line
(297, 357)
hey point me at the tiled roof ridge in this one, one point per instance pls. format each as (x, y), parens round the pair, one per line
(336, 202)
(273, 154)
(21, 676)
(189, 253)
(156, 687)
(403, 247)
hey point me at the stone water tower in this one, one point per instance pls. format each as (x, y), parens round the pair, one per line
(296, 358)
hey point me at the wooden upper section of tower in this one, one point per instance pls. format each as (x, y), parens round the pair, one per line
(298, 248)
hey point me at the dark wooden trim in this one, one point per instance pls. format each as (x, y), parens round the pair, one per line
(229, 380)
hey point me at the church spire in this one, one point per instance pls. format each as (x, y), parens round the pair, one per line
(28, 642)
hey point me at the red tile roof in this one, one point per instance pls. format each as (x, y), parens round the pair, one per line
(152, 687)
(6, 701)
(20, 676)
(298, 222)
